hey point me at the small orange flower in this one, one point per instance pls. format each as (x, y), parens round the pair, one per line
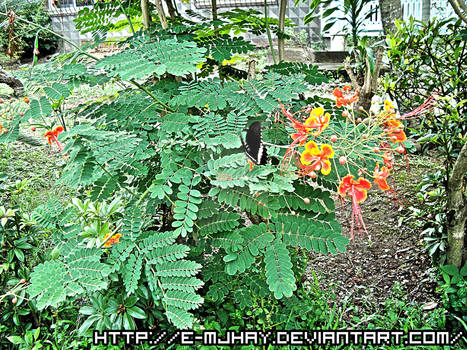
(380, 177)
(25, 99)
(114, 239)
(301, 133)
(338, 93)
(395, 128)
(317, 120)
(52, 136)
(356, 189)
(388, 159)
(347, 88)
(316, 158)
(58, 130)
(342, 100)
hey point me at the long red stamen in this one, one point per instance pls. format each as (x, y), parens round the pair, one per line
(424, 108)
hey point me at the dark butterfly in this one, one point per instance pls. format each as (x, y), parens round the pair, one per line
(254, 146)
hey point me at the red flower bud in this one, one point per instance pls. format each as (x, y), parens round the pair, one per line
(342, 160)
(33, 128)
(364, 136)
(14, 300)
(333, 138)
(22, 281)
(306, 200)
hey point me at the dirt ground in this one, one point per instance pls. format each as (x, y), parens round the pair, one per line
(366, 273)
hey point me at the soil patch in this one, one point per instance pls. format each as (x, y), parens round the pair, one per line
(366, 273)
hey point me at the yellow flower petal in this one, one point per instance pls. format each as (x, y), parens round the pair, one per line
(317, 111)
(310, 145)
(326, 168)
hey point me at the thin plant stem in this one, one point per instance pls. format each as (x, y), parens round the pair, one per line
(150, 94)
(268, 31)
(128, 18)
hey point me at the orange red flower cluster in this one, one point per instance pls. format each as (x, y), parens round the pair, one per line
(346, 100)
(316, 157)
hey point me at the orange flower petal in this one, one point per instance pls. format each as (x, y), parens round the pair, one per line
(345, 185)
(363, 183)
(360, 195)
(338, 93)
(381, 183)
(327, 151)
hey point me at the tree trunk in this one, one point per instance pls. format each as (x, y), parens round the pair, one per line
(15, 84)
(457, 210)
(214, 9)
(370, 81)
(280, 37)
(171, 8)
(146, 14)
(460, 9)
(252, 70)
(161, 13)
(390, 11)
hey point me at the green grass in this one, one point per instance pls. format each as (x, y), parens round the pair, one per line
(29, 175)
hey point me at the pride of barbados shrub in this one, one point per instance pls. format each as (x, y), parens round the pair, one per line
(167, 149)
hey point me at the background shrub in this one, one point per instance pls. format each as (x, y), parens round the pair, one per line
(24, 34)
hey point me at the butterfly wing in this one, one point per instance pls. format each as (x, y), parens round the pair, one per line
(254, 147)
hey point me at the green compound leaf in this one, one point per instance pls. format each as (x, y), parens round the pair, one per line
(279, 274)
